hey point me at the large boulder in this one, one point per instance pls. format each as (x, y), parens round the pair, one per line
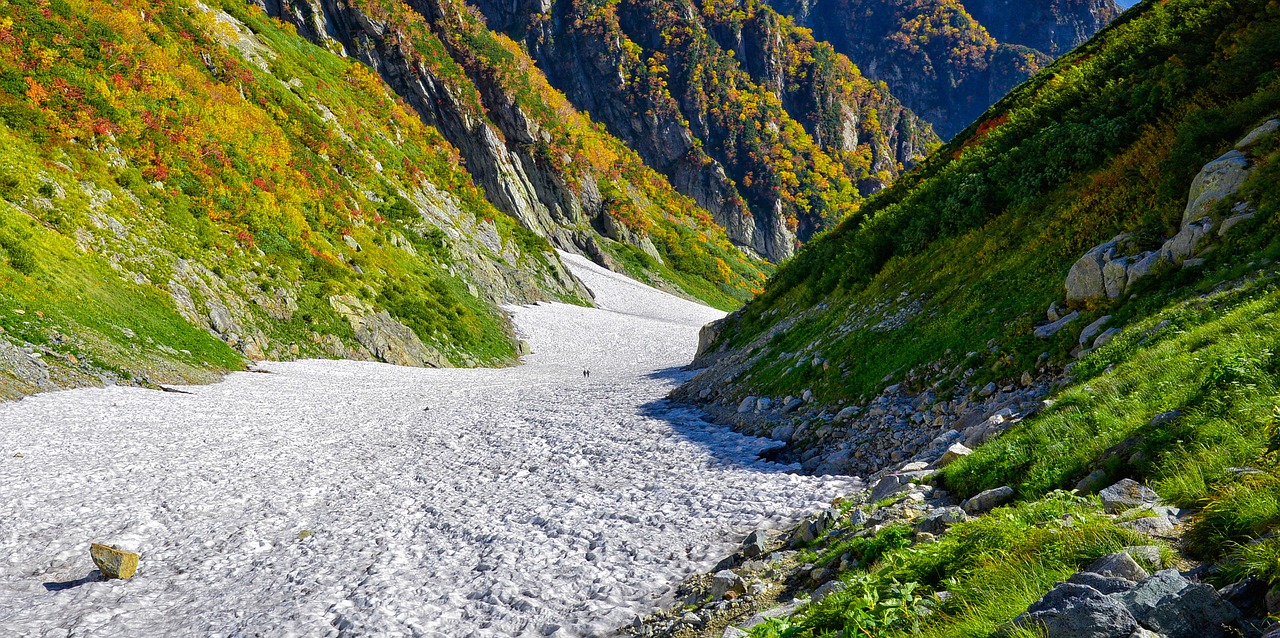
(1174, 607)
(1118, 565)
(1218, 180)
(1071, 610)
(1126, 494)
(1094, 277)
(988, 500)
(1189, 242)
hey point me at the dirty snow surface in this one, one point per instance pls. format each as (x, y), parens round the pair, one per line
(344, 498)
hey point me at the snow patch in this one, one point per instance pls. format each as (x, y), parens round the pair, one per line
(336, 498)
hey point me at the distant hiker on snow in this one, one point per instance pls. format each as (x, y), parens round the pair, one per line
(586, 374)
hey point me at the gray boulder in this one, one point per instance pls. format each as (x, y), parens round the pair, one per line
(1233, 221)
(1085, 279)
(724, 582)
(988, 500)
(846, 414)
(1118, 565)
(1145, 555)
(937, 521)
(1149, 525)
(1218, 180)
(1126, 494)
(1145, 263)
(1105, 338)
(748, 404)
(1079, 611)
(1171, 605)
(1189, 242)
(828, 588)
(954, 453)
(888, 486)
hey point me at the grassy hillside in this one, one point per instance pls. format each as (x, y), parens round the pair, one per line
(939, 282)
(683, 249)
(186, 186)
(976, 244)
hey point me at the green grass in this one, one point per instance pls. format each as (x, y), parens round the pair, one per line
(994, 566)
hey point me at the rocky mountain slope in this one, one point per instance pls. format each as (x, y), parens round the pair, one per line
(948, 60)
(776, 134)
(186, 186)
(1079, 289)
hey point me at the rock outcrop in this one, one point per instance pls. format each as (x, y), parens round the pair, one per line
(1109, 269)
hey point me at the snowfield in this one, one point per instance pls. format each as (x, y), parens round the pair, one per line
(344, 498)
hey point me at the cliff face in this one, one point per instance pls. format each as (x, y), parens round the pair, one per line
(948, 60)
(536, 157)
(772, 132)
(1049, 26)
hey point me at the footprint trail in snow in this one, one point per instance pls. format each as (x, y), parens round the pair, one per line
(344, 498)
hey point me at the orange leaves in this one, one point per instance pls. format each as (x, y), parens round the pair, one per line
(35, 92)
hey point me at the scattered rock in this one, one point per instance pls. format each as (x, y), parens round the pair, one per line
(1127, 494)
(1149, 525)
(726, 581)
(1046, 331)
(1078, 611)
(828, 588)
(754, 545)
(1163, 418)
(937, 521)
(748, 404)
(988, 500)
(1105, 338)
(114, 562)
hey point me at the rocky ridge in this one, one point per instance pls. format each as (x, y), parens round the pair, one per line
(706, 96)
(949, 60)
